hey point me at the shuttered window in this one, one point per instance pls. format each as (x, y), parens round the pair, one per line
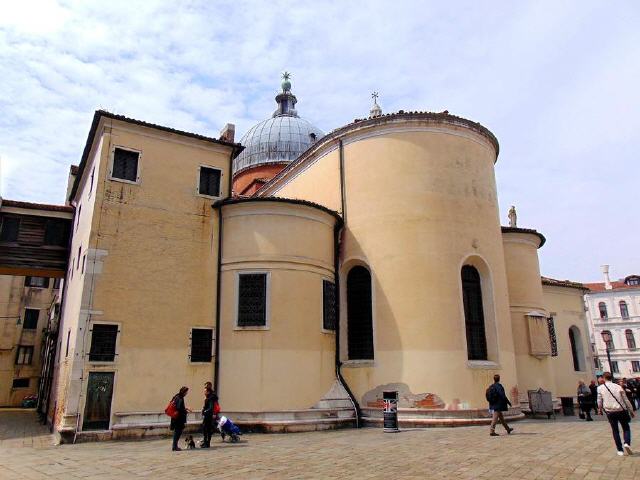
(38, 282)
(328, 305)
(30, 318)
(9, 229)
(209, 182)
(252, 300)
(103, 343)
(473, 314)
(201, 344)
(24, 355)
(359, 314)
(56, 233)
(125, 164)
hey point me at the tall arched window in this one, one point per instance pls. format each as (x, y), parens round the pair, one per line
(608, 339)
(473, 313)
(577, 352)
(624, 310)
(359, 314)
(631, 341)
(603, 310)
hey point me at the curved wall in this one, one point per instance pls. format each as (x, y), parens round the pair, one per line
(289, 364)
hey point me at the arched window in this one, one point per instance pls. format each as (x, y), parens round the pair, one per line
(473, 314)
(624, 310)
(603, 310)
(631, 341)
(577, 352)
(359, 314)
(608, 339)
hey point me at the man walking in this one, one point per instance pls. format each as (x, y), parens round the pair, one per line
(614, 402)
(498, 403)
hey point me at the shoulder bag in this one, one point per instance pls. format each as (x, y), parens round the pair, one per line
(624, 409)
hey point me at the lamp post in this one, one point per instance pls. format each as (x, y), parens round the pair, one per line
(606, 336)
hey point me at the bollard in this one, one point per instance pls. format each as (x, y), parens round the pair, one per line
(390, 422)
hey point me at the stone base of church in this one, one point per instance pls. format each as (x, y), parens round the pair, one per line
(426, 417)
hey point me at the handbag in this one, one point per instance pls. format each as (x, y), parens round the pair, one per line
(171, 410)
(624, 409)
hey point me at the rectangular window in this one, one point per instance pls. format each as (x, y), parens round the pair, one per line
(66, 353)
(328, 305)
(252, 300)
(30, 318)
(56, 233)
(103, 343)
(9, 229)
(37, 282)
(78, 219)
(20, 383)
(79, 256)
(614, 367)
(635, 366)
(84, 261)
(93, 173)
(24, 355)
(209, 182)
(201, 344)
(56, 283)
(125, 165)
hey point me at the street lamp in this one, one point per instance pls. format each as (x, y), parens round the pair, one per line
(606, 336)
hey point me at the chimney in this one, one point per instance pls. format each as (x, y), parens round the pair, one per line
(228, 133)
(607, 280)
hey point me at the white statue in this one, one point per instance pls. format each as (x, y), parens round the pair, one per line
(513, 217)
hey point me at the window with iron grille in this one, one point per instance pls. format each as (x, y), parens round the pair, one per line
(209, 181)
(125, 164)
(631, 340)
(473, 314)
(201, 344)
(20, 383)
(252, 300)
(359, 314)
(103, 343)
(9, 229)
(38, 282)
(635, 366)
(552, 337)
(24, 355)
(614, 367)
(30, 318)
(328, 305)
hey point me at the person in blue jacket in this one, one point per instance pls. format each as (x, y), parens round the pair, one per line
(498, 403)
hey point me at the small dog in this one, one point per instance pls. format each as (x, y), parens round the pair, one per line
(189, 443)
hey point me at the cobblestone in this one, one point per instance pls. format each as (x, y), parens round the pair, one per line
(538, 449)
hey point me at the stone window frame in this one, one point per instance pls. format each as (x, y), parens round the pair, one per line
(138, 170)
(267, 325)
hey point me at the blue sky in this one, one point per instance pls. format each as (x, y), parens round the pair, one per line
(557, 82)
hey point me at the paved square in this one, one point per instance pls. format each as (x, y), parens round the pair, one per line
(538, 449)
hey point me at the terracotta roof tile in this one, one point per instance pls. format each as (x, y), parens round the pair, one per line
(36, 206)
(562, 283)
(616, 285)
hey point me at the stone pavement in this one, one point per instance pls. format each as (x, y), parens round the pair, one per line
(538, 449)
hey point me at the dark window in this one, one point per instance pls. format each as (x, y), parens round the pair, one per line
(84, 261)
(552, 337)
(78, 219)
(624, 310)
(66, 353)
(24, 356)
(633, 280)
(93, 173)
(201, 344)
(473, 314)
(614, 367)
(79, 256)
(603, 310)
(607, 339)
(30, 318)
(103, 343)
(125, 164)
(9, 229)
(38, 282)
(56, 233)
(328, 305)
(574, 340)
(252, 300)
(56, 283)
(635, 366)
(20, 383)
(631, 341)
(359, 314)
(596, 364)
(209, 181)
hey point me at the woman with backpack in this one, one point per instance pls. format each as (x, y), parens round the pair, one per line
(177, 410)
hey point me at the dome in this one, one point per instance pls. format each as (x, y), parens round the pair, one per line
(279, 139)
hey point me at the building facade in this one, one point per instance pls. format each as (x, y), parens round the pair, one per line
(614, 318)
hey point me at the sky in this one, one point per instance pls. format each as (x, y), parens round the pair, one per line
(556, 81)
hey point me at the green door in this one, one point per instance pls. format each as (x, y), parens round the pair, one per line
(97, 410)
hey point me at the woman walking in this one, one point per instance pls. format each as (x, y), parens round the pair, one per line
(585, 401)
(178, 423)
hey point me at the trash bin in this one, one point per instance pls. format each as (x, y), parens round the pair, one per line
(567, 406)
(390, 422)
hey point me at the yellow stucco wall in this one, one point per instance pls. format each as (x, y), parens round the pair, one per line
(289, 364)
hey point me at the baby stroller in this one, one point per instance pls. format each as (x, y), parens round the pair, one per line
(227, 427)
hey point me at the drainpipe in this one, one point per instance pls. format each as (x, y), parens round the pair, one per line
(337, 230)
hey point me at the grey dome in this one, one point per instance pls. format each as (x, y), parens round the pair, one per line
(279, 139)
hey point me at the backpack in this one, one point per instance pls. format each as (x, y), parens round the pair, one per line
(171, 410)
(490, 394)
